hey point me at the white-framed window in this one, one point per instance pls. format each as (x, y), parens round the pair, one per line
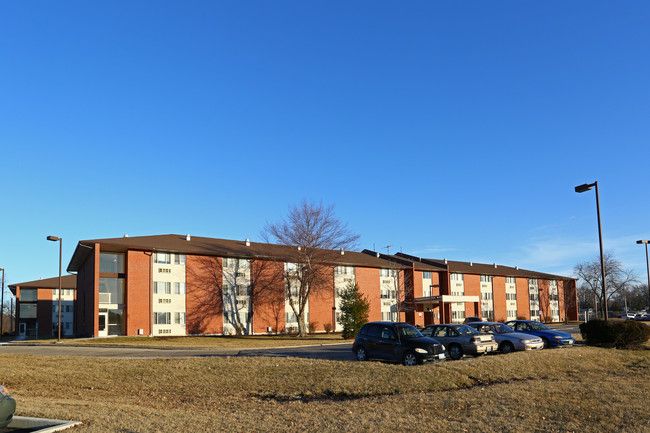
(162, 287)
(344, 270)
(387, 272)
(511, 296)
(456, 277)
(426, 275)
(486, 296)
(179, 318)
(290, 317)
(179, 259)
(486, 278)
(162, 318)
(162, 258)
(510, 280)
(179, 288)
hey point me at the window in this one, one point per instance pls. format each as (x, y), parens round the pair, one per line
(290, 317)
(426, 275)
(162, 287)
(486, 296)
(456, 277)
(486, 279)
(163, 258)
(162, 318)
(111, 263)
(290, 267)
(179, 318)
(68, 308)
(344, 270)
(179, 288)
(510, 280)
(28, 311)
(114, 290)
(511, 296)
(179, 259)
(28, 295)
(387, 272)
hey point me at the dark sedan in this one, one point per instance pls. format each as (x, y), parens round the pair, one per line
(397, 342)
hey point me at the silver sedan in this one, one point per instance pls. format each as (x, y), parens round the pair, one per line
(507, 338)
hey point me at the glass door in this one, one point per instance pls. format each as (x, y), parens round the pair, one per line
(103, 325)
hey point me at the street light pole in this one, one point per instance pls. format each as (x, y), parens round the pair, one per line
(586, 187)
(646, 242)
(2, 302)
(56, 239)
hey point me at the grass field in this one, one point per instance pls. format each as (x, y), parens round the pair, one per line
(581, 389)
(221, 341)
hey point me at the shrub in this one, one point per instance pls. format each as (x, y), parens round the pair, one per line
(354, 310)
(327, 327)
(622, 334)
(312, 327)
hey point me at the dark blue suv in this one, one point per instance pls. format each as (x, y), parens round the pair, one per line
(397, 342)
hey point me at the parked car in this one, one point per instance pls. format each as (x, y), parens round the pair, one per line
(461, 340)
(471, 319)
(398, 342)
(550, 337)
(507, 339)
(7, 407)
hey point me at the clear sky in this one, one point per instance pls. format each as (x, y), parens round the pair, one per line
(442, 128)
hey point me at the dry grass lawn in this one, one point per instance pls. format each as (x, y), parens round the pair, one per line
(248, 341)
(581, 389)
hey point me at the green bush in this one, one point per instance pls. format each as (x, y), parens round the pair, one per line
(622, 334)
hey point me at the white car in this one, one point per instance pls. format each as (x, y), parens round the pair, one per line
(507, 338)
(7, 407)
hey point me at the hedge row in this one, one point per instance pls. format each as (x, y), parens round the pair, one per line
(622, 334)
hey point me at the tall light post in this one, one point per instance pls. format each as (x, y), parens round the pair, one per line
(60, 241)
(647, 262)
(2, 302)
(586, 187)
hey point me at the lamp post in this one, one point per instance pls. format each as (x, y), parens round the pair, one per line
(60, 241)
(586, 187)
(2, 302)
(646, 242)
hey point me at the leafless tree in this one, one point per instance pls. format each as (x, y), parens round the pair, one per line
(314, 235)
(617, 278)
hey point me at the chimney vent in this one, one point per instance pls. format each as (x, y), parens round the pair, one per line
(517, 267)
(471, 264)
(377, 254)
(342, 251)
(188, 237)
(248, 242)
(495, 266)
(126, 236)
(445, 260)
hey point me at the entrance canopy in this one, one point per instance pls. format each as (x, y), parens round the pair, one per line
(428, 303)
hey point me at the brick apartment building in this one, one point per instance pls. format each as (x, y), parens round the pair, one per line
(182, 285)
(37, 307)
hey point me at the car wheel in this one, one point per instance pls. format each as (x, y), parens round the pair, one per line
(410, 359)
(455, 352)
(547, 344)
(361, 354)
(506, 348)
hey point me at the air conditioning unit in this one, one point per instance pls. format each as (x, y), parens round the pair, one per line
(104, 298)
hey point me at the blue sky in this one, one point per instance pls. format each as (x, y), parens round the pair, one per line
(444, 129)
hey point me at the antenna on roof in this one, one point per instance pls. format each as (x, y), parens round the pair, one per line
(388, 249)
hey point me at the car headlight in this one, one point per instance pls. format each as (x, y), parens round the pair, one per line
(526, 341)
(558, 337)
(420, 350)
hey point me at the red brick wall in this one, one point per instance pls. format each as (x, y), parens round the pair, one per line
(544, 301)
(203, 299)
(569, 299)
(418, 289)
(472, 288)
(523, 299)
(499, 299)
(368, 281)
(321, 300)
(138, 289)
(268, 301)
(44, 312)
(87, 308)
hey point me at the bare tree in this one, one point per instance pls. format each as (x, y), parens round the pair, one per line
(618, 278)
(314, 234)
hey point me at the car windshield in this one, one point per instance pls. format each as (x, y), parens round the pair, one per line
(502, 329)
(539, 326)
(466, 330)
(408, 331)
